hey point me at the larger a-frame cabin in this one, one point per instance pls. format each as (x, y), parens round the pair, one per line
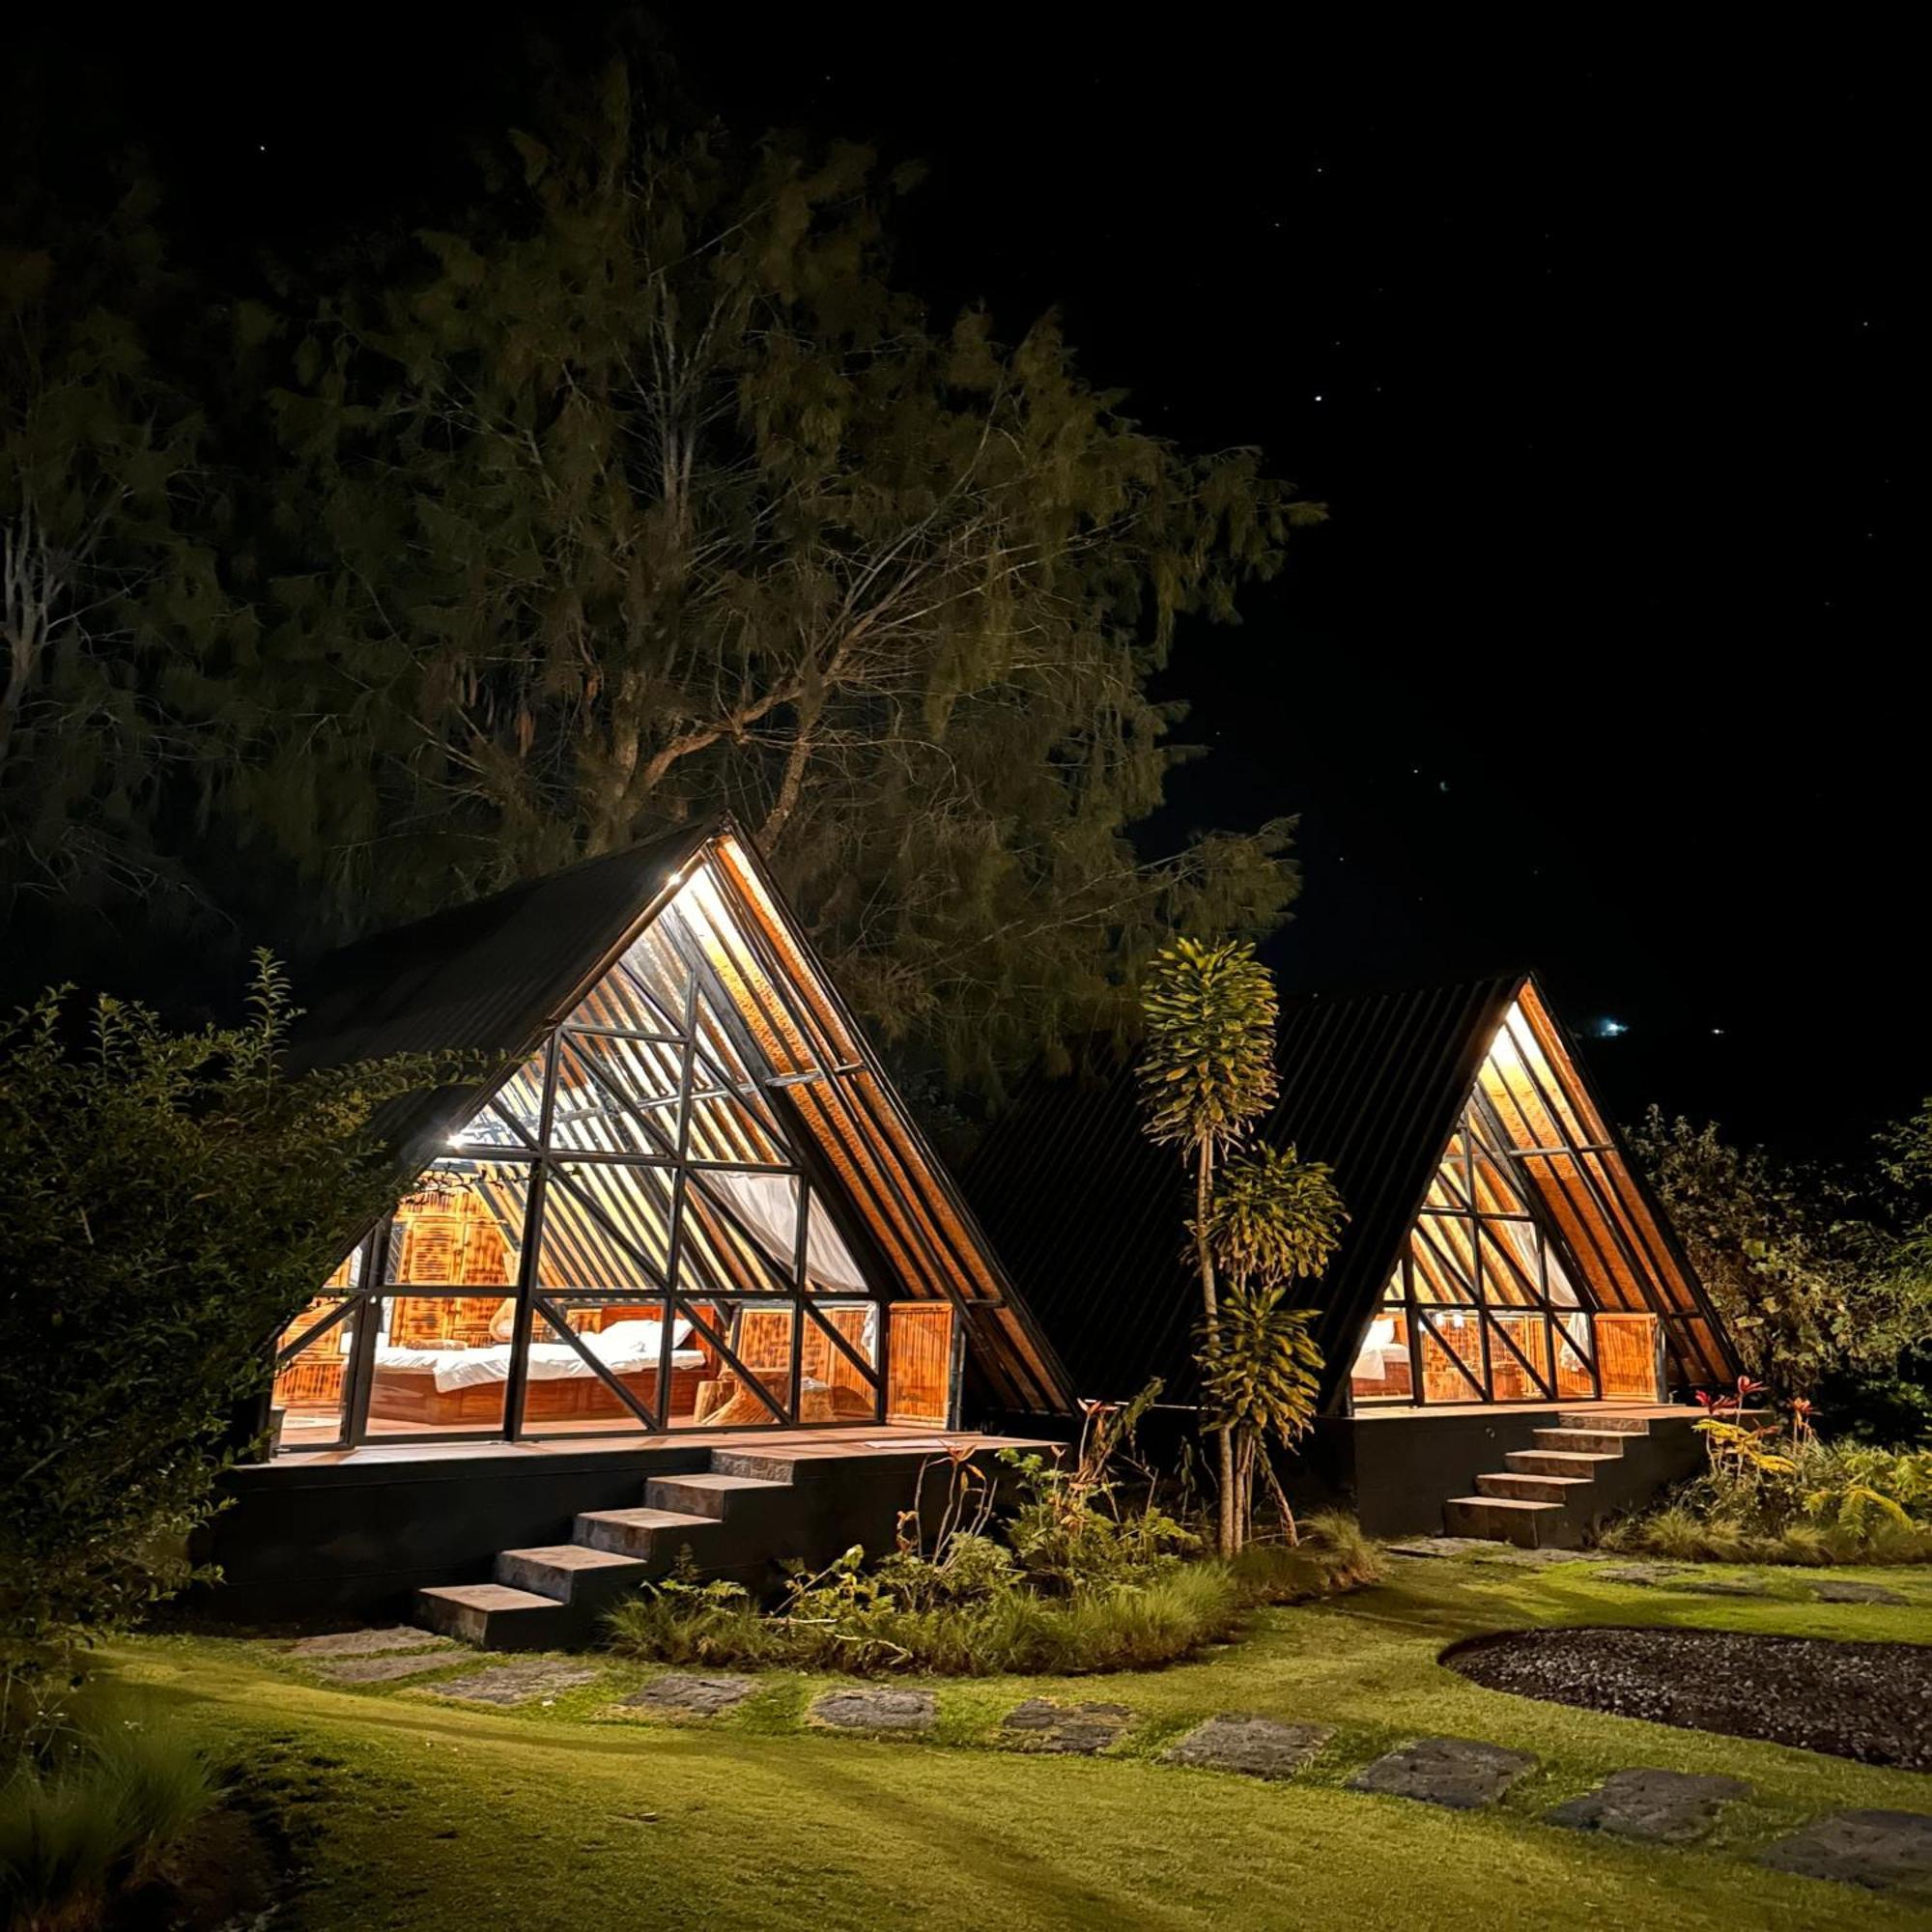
(1509, 1314)
(683, 1210)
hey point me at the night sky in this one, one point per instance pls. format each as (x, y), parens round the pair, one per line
(1597, 355)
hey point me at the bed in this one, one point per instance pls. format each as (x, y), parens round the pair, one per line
(448, 1388)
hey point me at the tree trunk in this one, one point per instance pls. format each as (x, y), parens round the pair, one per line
(1226, 1535)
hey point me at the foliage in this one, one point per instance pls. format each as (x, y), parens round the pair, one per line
(1260, 1373)
(1206, 1069)
(1775, 1496)
(98, 1809)
(1084, 1582)
(1331, 1555)
(171, 1200)
(1823, 1281)
(108, 585)
(1275, 1217)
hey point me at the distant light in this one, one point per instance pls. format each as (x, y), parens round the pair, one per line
(1609, 1029)
(1318, 399)
(1716, 1033)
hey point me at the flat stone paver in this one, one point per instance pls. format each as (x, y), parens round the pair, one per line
(1259, 1747)
(1845, 1591)
(1726, 1586)
(383, 1669)
(1660, 1807)
(369, 1644)
(1878, 1850)
(515, 1683)
(686, 1695)
(1642, 1576)
(1075, 1729)
(1464, 1774)
(1480, 1549)
(900, 1713)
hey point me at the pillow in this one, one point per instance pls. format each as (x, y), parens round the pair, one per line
(635, 1336)
(504, 1323)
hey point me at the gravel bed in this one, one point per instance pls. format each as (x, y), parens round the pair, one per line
(1868, 1701)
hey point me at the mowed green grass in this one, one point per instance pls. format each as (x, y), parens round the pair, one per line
(430, 1816)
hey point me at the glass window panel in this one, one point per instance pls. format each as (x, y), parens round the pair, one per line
(564, 1394)
(1450, 1346)
(838, 1363)
(741, 1230)
(616, 1096)
(1572, 1338)
(649, 986)
(747, 1394)
(462, 1226)
(1509, 1263)
(607, 1227)
(514, 1114)
(1442, 1250)
(442, 1364)
(1382, 1367)
(1518, 1357)
(830, 1267)
(312, 1385)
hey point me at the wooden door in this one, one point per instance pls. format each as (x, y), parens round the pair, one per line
(922, 1348)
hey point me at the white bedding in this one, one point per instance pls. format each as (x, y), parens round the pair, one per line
(549, 1361)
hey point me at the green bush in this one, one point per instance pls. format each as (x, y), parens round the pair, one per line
(101, 1806)
(171, 1201)
(1803, 1502)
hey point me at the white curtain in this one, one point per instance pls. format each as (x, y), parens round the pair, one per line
(768, 1206)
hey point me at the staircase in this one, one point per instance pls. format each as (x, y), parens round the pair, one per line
(740, 1519)
(1595, 1462)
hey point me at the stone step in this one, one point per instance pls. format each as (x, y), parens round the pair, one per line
(650, 1534)
(1601, 1422)
(766, 1465)
(1596, 1441)
(1514, 1485)
(1529, 1525)
(571, 1573)
(493, 1616)
(714, 1495)
(1558, 1462)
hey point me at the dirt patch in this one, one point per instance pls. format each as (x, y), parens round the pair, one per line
(1868, 1701)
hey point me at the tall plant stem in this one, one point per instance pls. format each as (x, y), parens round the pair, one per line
(1227, 1535)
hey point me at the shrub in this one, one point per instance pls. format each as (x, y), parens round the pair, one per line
(101, 1806)
(1332, 1555)
(171, 1201)
(1812, 1502)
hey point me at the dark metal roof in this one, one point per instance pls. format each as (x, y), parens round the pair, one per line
(1091, 1218)
(484, 978)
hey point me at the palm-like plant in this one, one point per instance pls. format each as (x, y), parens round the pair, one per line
(1206, 1075)
(1261, 1373)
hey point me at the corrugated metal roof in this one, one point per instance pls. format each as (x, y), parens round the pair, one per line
(1089, 1218)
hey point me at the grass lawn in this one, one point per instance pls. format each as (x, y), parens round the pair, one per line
(433, 1815)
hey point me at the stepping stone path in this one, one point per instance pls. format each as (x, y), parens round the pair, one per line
(515, 1683)
(683, 1695)
(1727, 1586)
(1076, 1730)
(384, 1669)
(1461, 1773)
(1847, 1592)
(1875, 1849)
(1641, 1576)
(1481, 1551)
(1660, 1807)
(901, 1712)
(1259, 1747)
(368, 1643)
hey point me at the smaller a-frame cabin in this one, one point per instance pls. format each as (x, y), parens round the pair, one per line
(684, 1208)
(1506, 1281)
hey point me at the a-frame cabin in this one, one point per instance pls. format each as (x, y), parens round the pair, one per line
(1505, 1272)
(679, 1270)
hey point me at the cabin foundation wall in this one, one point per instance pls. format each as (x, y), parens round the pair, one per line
(1395, 1470)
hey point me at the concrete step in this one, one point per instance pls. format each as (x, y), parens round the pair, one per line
(654, 1536)
(1597, 1441)
(1531, 1488)
(767, 1466)
(1558, 1462)
(572, 1572)
(1604, 1421)
(715, 1494)
(493, 1616)
(1529, 1525)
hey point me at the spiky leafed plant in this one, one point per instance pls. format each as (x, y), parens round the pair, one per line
(1206, 1075)
(1274, 1218)
(1261, 1373)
